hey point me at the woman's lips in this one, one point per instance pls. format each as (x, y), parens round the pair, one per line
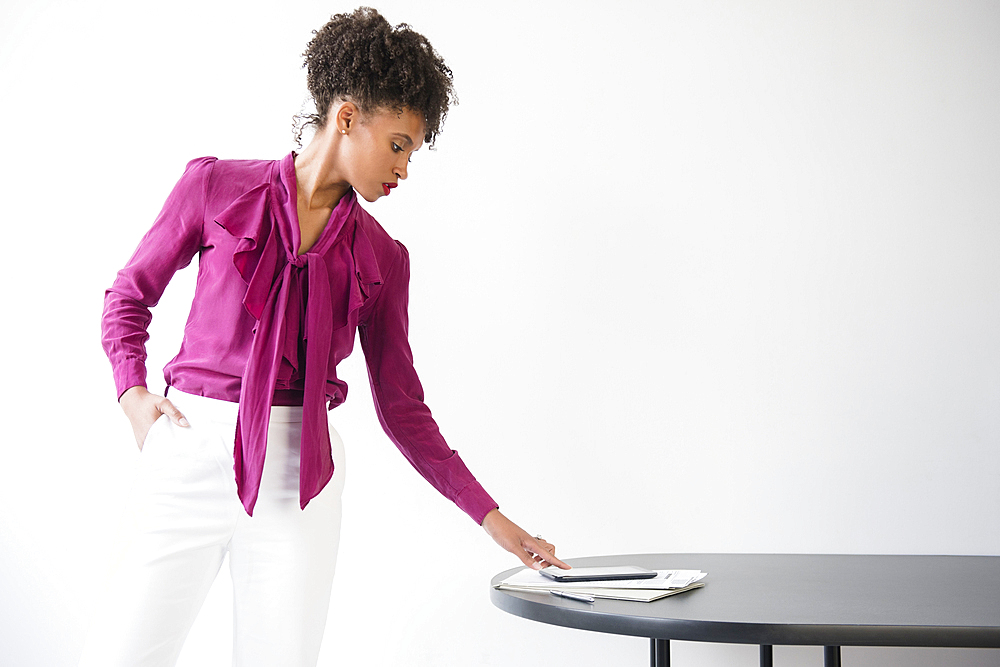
(387, 187)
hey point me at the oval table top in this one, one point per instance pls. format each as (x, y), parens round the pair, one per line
(791, 599)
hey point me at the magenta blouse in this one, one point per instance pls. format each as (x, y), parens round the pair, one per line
(269, 326)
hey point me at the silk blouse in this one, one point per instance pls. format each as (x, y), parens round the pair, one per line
(269, 326)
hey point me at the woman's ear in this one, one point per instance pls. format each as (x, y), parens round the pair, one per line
(345, 115)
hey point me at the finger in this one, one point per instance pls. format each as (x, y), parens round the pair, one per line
(168, 408)
(540, 547)
(546, 556)
(527, 559)
(549, 558)
(552, 560)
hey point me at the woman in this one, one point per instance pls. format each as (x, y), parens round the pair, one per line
(290, 267)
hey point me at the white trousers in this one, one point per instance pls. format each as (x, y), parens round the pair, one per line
(184, 516)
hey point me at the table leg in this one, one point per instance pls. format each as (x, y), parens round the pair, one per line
(831, 656)
(766, 656)
(659, 653)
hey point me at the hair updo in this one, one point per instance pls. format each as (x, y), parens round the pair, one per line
(361, 58)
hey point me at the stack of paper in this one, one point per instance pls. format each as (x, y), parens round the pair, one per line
(666, 583)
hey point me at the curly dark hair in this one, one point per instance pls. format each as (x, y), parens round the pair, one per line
(360, 57)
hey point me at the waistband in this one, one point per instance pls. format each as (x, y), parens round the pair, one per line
(214, 409)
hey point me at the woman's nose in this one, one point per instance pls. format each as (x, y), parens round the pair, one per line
(400, 171)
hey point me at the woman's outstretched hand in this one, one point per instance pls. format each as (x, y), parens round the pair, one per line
(143, 408)
(534, 552)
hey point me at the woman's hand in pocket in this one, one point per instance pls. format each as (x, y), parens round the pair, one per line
(143, 408)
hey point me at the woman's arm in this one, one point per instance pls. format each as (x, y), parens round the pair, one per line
(168, 246)
(399, 396)
(406, 419)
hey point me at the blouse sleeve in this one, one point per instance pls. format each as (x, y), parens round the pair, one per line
(167, 247)
(399, 398)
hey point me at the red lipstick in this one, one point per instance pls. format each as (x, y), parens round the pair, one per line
(387, 187)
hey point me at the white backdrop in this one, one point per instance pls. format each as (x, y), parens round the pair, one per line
(729, 266)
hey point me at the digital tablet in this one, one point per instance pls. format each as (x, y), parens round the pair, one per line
(598, 573)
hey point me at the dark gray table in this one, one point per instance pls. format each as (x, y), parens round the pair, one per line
(815, 600)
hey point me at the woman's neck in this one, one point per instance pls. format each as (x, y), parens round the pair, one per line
(319, 181)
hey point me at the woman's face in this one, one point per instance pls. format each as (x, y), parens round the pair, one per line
(378, 149)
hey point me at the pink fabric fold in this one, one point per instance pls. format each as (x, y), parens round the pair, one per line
(279, 281)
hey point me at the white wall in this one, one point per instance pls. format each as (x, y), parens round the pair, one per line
(732, 264)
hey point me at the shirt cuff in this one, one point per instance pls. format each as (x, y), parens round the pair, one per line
(130, 374)
(474, 501)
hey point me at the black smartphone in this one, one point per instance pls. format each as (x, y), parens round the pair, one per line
(598, 573)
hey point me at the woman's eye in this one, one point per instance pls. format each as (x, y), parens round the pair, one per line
(396, 147)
